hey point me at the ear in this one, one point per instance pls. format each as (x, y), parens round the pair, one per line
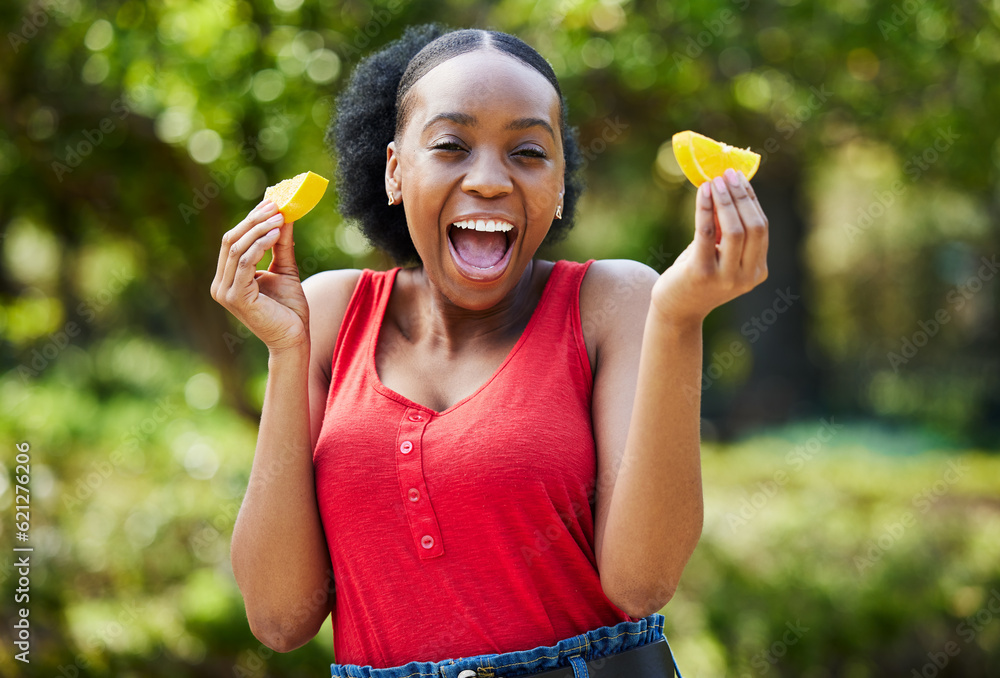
(393, 172)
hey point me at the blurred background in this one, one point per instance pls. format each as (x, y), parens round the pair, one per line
(851, 402)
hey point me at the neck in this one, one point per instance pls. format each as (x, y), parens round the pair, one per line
(451, 328)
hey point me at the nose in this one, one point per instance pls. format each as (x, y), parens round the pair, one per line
(488, 175)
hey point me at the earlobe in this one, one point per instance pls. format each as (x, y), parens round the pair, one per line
(393, 181)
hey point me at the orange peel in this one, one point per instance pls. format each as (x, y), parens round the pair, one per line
(297, 196)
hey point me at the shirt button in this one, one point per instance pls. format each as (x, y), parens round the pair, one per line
(414, 494)
(427, 541)
(416, 417)
(406, 447)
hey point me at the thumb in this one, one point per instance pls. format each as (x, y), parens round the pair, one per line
(283, 262)
(704, 227)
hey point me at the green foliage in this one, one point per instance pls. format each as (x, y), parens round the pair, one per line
(135, 134)
(841, 563)
(816, 551)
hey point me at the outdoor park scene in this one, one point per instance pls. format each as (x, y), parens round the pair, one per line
(850, 403)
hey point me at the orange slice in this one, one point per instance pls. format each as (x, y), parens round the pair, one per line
(295, 197)
(702, 159)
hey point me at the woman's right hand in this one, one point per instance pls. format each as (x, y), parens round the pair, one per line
(270, 303)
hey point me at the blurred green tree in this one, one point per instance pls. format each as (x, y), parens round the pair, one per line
(135, 134)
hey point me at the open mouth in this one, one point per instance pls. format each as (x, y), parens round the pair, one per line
(481, 248)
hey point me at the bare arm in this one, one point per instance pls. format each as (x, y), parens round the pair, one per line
(278, 551)
(649, 506)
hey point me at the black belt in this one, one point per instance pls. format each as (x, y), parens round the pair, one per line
(652, 660)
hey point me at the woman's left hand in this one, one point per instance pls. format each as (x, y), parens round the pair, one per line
(704, 275)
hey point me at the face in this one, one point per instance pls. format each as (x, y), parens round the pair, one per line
(482, 143)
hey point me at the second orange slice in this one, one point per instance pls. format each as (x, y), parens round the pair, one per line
(702, 159)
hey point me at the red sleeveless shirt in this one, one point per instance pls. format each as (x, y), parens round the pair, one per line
(467, 531)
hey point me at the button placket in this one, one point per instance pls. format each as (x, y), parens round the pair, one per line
(424, 527)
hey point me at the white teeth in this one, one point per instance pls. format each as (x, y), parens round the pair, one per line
(481, 225)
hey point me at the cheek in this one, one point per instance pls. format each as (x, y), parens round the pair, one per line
(544, 193)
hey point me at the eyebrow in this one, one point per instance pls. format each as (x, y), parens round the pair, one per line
(472, 121)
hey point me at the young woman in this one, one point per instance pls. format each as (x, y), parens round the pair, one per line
(481, 463)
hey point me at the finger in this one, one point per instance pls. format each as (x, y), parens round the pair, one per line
(766, 238)
(753, 198)
(733, 233)
(239, 249)
(704, 229)
(752, 219)
(283, 261)
(262, 211)
(246, 265)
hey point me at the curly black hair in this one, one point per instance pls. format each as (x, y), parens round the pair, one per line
(373, 108)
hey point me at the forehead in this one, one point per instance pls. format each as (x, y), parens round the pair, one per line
(484, 80)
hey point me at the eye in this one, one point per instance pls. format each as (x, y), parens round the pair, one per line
(532, 153)
(448, 146)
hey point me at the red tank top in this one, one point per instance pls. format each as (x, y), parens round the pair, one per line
(467, 531)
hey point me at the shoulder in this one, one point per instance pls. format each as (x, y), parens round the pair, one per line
(329, 288)
(614, 301)
(328, 294)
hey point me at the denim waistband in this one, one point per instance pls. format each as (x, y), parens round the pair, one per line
(594, 644)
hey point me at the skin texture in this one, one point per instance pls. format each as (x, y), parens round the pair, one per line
(444, 336)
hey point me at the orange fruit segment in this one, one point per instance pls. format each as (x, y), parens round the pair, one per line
(702, 159)
(295, 197)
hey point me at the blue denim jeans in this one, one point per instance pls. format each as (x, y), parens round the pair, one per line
(602, 642)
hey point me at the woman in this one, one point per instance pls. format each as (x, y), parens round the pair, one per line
(485, 463)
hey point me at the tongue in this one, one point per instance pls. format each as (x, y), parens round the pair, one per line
(482, 249)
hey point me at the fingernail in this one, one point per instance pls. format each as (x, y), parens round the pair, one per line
(273, 231)
(276, 219)
(269, 208)
(731, 177)
(706, 190)
(719, 183)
